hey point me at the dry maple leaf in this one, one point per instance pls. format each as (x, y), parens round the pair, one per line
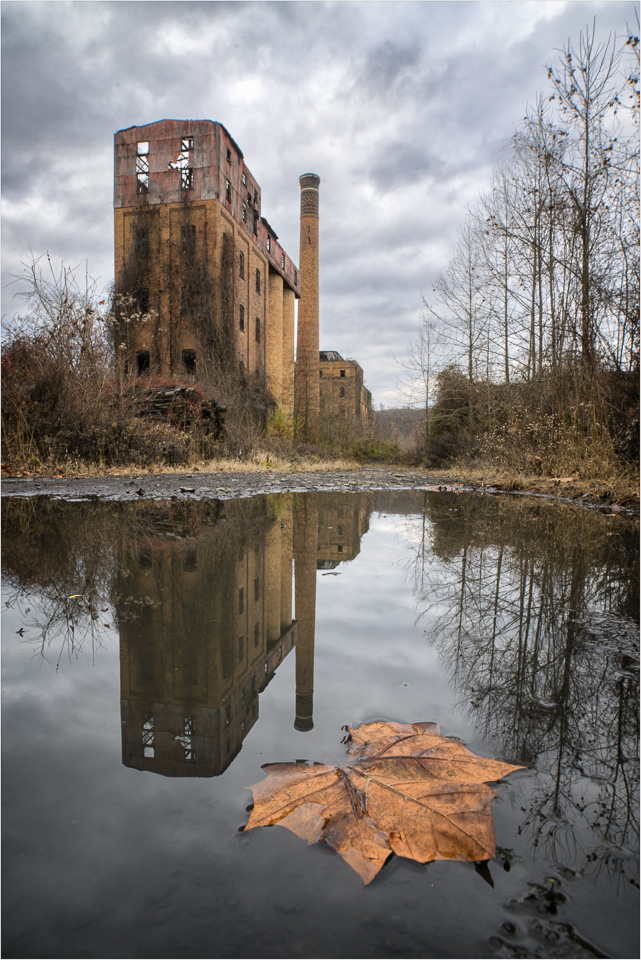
(406, 790)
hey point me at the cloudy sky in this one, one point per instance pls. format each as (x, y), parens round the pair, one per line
(401, 109)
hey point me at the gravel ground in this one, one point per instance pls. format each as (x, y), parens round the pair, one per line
(229, 486)
(219, 486)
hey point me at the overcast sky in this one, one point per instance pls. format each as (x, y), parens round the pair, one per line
(400, 108)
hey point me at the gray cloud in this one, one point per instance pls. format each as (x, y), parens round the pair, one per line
(401, 108)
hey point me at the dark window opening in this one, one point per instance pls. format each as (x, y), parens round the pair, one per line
(241, 600)
(144, 559)
(257, 281)
(189, 362)
(295, 276)
(241, 318)
(341, 392)
(256, 589)
(228, 155)
(187, 178)
(256, 634)
(227, 191)
(242, 368)
(282, 261)
(241, 265)
(257, 329)
(142, 362)
(244, 212)
(241, 649)
(142, 166)
(143, 300)
(141, 243)
(186, 303)
(340, 548)
(320, 372)
(256, 223)
(342, 373)
(190, 559)
(188, 239)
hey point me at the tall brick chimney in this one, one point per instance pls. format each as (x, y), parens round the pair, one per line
(307, 392)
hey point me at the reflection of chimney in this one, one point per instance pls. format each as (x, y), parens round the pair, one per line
(307, 391)
(305, 547)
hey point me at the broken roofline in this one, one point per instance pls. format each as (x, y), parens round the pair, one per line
(213, 177)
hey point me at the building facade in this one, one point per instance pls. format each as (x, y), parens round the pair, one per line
(205, 279)
(343, 395)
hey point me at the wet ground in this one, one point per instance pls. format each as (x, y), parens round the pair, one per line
(159, 647)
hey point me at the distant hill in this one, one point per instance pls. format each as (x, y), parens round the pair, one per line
(401, 425)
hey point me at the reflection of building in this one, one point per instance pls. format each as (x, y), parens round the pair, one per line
(204, 605)
(343, 395)
(341, 524)
(201, 634)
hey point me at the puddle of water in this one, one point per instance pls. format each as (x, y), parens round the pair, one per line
(156, 655)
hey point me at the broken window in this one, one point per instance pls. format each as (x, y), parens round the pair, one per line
(282, 260)
(186, 144)
(342, 373)
(269, 242)
(184, 163)
(148, 734)
(187, 178)
(241, 265)
(255, 223)
(241, 600)
(256, 634)
(189, 362)
(142, 362)
(241, 319)
(227, 191)
(244, 179)
(244, 212)
(141, 243)
(187, 740)
(188, 239)
(257, 281)
(142, 166)
(257, 329)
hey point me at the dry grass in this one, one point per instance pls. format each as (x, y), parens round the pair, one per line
(259, 461)
(622, 487)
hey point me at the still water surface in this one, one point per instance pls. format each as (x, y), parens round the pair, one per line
(155, 655)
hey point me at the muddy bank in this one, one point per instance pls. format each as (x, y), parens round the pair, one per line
(227, 486)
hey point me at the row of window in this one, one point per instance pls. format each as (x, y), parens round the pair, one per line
(241, 322)
(143, 362)
(342, 373)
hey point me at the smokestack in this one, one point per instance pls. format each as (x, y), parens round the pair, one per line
(306, 388)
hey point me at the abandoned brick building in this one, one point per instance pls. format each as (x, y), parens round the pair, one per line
(202, 282)
(343, 395)
(209, 280)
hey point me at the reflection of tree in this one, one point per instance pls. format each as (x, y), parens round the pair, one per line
(530, 609)
(60, 586)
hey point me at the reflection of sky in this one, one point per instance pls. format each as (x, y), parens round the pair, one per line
(155, 866)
